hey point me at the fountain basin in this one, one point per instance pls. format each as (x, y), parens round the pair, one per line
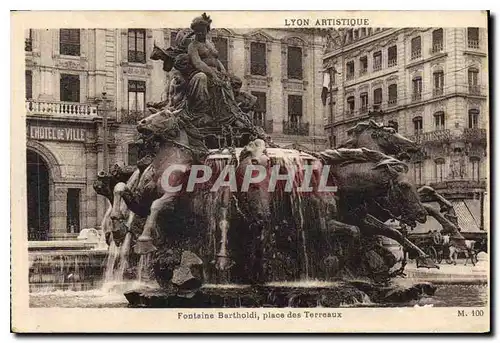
(286, 294)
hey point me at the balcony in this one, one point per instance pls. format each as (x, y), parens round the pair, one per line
(416, 97)
(363, 109)
(295, 128)
(437, 91)
(392, 63)
(58, 108)
(349, 77)
(439, 136)
(392, 102)
(474, 135)
(437, 47)
(377, 66)
(416, 54)
(473, 44)
(474, 90)
(363, 71)
(132, 117)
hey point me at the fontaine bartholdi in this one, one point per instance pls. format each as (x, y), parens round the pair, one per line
(241, 235)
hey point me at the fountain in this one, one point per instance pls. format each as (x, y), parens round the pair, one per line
(258, 247)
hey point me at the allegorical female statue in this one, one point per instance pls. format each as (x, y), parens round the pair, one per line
(200, 83)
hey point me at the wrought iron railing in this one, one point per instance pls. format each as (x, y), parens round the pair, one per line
(474, 135)
(377, 66)
(432, 136)
(392, 102)
(474, 89)
(416, 96)
(60, 108)
(437, 47)
(392, 63)
(295, 128)
(132, 117)
(473, 44)
(28, 44)
(416, 54)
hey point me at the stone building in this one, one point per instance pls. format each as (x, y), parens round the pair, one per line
(81, 81)
(432, 85)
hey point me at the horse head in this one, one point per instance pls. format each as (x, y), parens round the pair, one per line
(163, 122)
(376, 136)
(403, 200)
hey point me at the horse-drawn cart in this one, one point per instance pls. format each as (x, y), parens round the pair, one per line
(431, 243)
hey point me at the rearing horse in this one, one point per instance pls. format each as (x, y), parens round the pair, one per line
(374, 136)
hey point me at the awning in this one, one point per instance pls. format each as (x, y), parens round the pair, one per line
(466, 220)
(468, 215)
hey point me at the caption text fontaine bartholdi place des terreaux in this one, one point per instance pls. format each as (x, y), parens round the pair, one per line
(254, 315)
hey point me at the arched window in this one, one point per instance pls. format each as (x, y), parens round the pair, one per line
(439, 120)
(417, 88)
(438, 78)
(473, 118)
(393, 94)
(437, 40)
(364, 102)
(473, 78)
(439, 169)
(418, 126)
(417, 172)
(416, 47)
(377, 96)
(350, 105)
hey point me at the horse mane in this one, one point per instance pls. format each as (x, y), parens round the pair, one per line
(344, 156)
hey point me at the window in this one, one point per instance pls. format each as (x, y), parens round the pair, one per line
(69, 42)
(475, 168)
(73, 210)
(392, 53)
(437, 40)
(417, 169)
(350, 105)
(133, 154)
(28, 40)
(295, 108)
(473, 118)
(70, 88)
(417, 126)
(137, 45)
(258, 59)
(136, 97)
(259, 114)
(438, 77)
(377, 60)
(439, 120)
(362, 32)
(294, 65)
(221, 45)
(363, 65)
(350, 35)
(29, 84)
(473, 75)
(350, 70)
(416, 47)
(417, 88)
(473, 37)
(377, 96)
(333, 141)
(439, 170)
(393, 94)
(355, 34)
(364, 102)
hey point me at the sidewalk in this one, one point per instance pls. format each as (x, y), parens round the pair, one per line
(449, 273)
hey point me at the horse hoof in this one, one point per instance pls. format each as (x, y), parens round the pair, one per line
(144, 247)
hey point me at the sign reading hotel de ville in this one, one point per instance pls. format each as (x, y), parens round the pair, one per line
(54, 133)
(281, 171)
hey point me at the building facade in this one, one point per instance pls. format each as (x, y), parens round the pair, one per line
(431, 84)
(86, 89)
